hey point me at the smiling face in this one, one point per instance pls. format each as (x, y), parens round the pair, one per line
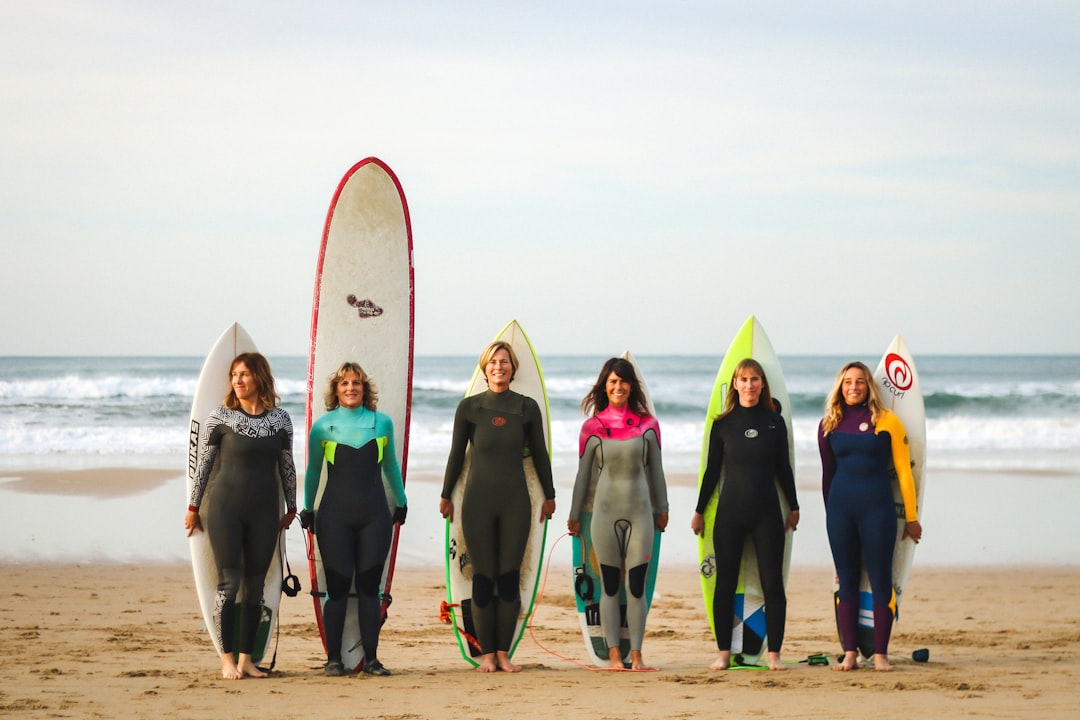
(244, 384)
(618, 391)
(748, 383)
(350, 390)
(499, 370)
(854, 386)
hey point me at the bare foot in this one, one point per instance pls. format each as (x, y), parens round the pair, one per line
(637, 663)
(247, 667)
(881, 662)
(723, 662)
(615, 659)
(229, 671)
(487, 663)
(502, 658)
(850, 662)
(774, 662)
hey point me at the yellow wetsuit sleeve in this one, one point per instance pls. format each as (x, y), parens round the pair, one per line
(901, 452)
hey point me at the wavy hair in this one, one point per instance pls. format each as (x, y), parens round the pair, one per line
(371, 393)
(834, 401)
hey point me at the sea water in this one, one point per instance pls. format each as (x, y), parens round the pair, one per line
(1003, 449)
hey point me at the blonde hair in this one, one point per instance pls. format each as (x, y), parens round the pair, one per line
(732, 397)
(834, 401)
(489, 352)
(259, 367)
(371, 393)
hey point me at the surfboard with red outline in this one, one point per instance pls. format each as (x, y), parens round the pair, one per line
(363, 311)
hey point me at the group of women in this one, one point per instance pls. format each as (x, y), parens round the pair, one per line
(247, 445)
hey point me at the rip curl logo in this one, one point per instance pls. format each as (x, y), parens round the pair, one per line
(899, 377)
(751, 433)
(498, 421)
(364, 308)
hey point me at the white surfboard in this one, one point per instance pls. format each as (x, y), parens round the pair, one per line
(898, 384)
(210, 392)
(363, 312)
(528, 381)
(585, 572)
(748, 638)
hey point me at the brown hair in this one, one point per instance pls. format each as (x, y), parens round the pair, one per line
(731, 400)
(259, 368)
(596, 399)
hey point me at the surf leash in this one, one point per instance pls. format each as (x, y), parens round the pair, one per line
(446, 615)
(532, 618)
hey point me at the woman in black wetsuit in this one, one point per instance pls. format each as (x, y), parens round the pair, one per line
(246, 445)
(501, 426)
(749, 443)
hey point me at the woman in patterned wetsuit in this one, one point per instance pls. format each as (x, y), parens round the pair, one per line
(620, 457)
(862, 446)
(502, 426)
(354, 524)
(749, 441)
(246, 447)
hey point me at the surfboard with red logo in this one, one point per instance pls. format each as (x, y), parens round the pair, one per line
(898, 384)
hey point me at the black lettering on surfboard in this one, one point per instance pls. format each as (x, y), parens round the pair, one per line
(193, 447)
(364, 308)
(708, 566)
(895, 391)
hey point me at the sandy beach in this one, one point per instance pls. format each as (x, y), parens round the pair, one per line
(125, 638)
(85, 641)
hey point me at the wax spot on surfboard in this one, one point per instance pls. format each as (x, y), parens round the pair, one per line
(364, 308)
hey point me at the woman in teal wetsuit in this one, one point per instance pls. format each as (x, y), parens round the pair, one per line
(501, 425)
(353, 524)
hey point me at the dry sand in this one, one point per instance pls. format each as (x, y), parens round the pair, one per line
(126, 641)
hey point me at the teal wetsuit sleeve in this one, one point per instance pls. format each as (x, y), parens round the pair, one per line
(586, 463)
(538, 446)
(654, 469)
(384, 428)
(315, 457)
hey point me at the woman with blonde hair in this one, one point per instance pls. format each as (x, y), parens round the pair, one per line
(501, 426)
(354, 523)
(863, 446)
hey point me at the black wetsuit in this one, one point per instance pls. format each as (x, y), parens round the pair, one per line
(751, 446)
(496, 514)
(243, 456)
(353, 524)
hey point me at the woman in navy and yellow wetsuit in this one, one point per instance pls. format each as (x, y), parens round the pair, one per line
(749, 442)
(353, 523)
(620, 456)
(862, 446)
(502, 426)
(250, 440)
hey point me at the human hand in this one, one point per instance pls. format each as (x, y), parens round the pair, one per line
(913, 530)
(547, 510)
(399, 514)
(287, 518)
(573, 527)
(446, 509)
(792, 521)
(661, 521)
(192, 522)
(697, 524)
(307, 520)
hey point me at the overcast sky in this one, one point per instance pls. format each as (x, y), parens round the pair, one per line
(614, 175)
